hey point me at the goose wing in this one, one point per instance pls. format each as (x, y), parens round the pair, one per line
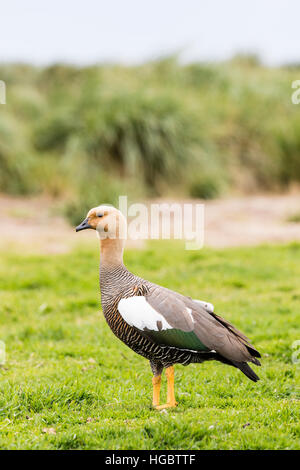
(171, 319)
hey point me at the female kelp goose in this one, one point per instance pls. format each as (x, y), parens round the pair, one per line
(165, 327)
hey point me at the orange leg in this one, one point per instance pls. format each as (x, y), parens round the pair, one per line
(156, 381)
(171, 402)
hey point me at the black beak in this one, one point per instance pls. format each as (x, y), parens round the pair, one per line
(85, 224)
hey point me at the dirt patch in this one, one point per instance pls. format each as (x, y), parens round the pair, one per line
(251, 220)
(30, 224)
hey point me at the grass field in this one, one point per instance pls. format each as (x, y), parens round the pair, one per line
(68, 383)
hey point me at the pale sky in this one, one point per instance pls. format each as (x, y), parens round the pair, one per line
(133, 31)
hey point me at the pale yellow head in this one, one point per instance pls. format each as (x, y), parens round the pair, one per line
(108, 221)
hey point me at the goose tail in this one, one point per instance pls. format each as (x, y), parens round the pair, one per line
(246, 369)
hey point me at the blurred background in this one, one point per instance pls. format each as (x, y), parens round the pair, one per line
(163, 100)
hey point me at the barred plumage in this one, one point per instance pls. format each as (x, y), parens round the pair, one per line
(124, 284)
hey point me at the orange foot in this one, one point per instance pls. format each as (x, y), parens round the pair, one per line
(166, 405)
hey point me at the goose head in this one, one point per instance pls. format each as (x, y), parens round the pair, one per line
(108, 222)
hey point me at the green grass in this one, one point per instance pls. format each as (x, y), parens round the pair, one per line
(66, 370)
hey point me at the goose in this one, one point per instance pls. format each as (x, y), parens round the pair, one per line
(163, 326)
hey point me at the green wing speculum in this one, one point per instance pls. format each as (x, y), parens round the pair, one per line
(177, 338)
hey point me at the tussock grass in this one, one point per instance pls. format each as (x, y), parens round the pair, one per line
(158, 128)
(65, 369)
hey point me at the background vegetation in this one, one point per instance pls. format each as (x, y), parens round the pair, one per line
(89, 134)
(69, 383)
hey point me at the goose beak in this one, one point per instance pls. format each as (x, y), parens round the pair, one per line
(84, 225)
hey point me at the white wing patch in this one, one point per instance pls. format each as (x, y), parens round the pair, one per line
(206, 305)
(137, 312)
